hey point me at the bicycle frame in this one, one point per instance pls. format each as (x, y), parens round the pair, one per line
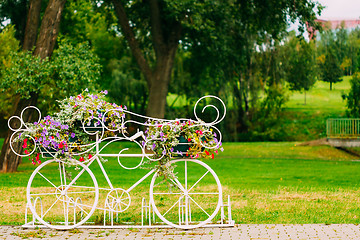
(179, 204)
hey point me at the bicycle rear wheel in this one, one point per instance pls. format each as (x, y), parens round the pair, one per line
(61, 197)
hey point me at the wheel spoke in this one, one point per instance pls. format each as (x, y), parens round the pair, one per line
(173, 205)
(199, 206)
(81, 192)
(64, 173)
(47, 180)
(185, 175)
(199, 193)
(43, 194)
(178, 184)
(198, 180)
(61, 180)
(57, 199)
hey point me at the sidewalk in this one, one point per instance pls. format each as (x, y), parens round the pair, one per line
(241, 231)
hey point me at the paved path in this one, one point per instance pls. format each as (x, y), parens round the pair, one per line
(241, 231)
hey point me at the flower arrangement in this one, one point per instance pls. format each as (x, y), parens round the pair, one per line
(188, 138)
(65, 135)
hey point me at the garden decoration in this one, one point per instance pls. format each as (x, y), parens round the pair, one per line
(65, 191)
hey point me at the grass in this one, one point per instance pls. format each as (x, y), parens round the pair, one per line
(268, 183)
(302, 122)
(320, 98)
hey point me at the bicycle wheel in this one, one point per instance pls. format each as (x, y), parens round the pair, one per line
(61, 197)
(193, 199)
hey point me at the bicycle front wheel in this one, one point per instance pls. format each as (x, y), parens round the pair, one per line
(191, 200)
(60, 196)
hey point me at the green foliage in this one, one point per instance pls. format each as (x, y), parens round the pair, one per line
(127, 87)
(265, 124)
(330, 68)
(8, 44)
(71, 69)
(26, 74)
(353, 97)
(301, 73)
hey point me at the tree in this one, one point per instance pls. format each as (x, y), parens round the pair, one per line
(330, 68)
(199, 26)
(353, 97)
(301, 69)
(44, 47)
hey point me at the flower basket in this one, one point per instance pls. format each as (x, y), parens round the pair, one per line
(47, 153)
(66, 133)
(183, 145)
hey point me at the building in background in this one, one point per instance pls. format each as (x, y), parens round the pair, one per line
(333, 24)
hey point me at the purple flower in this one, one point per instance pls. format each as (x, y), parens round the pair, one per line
(57, 135)
(164, 152)
(73, 135)
(36, 123)
(161, 134)
(153, 146)
(215, 135)
(171, 149)
(105, 92)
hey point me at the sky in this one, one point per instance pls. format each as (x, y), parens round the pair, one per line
(340, 9)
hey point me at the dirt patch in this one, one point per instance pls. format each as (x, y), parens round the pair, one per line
(317, 142)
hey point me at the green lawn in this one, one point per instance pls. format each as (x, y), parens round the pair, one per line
(268, 183)
(320, 98)
(302, 122)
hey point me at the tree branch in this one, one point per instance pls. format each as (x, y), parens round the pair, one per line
(133, 43)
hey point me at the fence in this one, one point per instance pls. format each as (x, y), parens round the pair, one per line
(343, 128)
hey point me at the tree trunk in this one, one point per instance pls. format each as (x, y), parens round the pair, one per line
(9, 161)
(49, 29)
(305, 97)
(330, 86)
(32, 25)
(165, 46)
(44, 47)
(158, 88)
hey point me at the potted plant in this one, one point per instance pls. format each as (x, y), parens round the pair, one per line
(188, 139)
(65, 135)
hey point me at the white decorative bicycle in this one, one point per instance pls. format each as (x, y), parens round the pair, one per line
(62, 196)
